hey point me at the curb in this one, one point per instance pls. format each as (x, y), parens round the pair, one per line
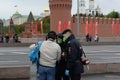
(15, 72)
(95, 68)
(23, 72)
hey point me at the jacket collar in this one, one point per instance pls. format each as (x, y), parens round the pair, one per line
(71, 37)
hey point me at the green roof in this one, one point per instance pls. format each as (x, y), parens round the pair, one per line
(17, 15)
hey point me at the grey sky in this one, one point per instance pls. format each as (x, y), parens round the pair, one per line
(7, 7)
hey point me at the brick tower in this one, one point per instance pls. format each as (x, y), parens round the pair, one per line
(1, 26)
(11, 28)
(60, 10)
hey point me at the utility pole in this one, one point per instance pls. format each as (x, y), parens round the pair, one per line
(78, 21)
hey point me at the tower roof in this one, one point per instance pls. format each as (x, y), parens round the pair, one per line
(30, 18)
(16, 15)
(11, 21)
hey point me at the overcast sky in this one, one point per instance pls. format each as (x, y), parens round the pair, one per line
(7, 7)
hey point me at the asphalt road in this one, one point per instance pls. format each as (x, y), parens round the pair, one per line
(12, 56)
(17, 56)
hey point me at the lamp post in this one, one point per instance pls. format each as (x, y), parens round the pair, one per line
(78, 21)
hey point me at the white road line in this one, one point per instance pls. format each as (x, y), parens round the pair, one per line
(115, 54)
(13, 53)
(94, 51)
(8, 61)
(19, 52)
(110, 57)
(1, 54)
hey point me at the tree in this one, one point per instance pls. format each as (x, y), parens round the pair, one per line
(46, 24)
(18, 28)
(113, 14)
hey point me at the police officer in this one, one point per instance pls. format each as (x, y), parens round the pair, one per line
(74, 65)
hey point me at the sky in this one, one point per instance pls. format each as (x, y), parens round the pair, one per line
(9, 7)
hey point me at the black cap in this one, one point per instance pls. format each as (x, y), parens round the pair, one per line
(60, 35)
(67, 30)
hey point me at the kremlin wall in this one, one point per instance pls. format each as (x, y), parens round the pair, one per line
(104, 27)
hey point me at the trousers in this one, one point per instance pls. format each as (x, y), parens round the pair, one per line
(46, 73)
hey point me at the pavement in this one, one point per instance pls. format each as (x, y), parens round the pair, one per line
(12, 56)
(83, 43)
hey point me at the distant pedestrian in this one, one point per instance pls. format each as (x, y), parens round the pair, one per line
(15, 38)
(1, 38)
(96, 38)
(7, 38)
(90, 38)
(87, 37)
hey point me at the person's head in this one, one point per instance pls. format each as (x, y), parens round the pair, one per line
(67, 33)
(59, 38)
(51, 35)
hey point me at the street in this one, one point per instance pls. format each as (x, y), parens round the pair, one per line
(17, 56)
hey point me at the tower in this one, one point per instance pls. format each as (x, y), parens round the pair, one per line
(91, 4)
(82, 6)
(31, 25)
(1, 26)
(11, 28)
(60, 10)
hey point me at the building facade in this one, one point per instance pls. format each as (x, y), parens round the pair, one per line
(19, 19)
(1, 26)
(92, 10)
(60, 12)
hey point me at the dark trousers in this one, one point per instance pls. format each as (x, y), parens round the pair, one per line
(75, 76)
(60, 71)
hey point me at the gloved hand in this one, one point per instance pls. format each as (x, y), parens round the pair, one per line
(67, 72)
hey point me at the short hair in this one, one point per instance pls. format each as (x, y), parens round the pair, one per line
(60, 35)
(52, 35)
(67, 30)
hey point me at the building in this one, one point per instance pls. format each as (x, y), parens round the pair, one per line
(31, 27)
(105, 28)
(92, 10)
(1, 26)
(45, 13)
(82, 7)
(60, 12)
(11, 31)
(19, 19)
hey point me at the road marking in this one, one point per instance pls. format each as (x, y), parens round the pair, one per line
(8, 61)
(19, 52)
(13, 53)
(101, 54)
(115, 57)
(1, 54)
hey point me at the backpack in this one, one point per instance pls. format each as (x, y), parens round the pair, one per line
(34, 54)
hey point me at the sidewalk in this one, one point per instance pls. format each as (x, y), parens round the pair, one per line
(105, 76)
(82, 43)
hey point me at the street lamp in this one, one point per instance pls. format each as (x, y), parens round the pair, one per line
(78, 21)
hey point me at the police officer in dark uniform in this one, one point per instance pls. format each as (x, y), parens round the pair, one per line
(61, 65)
(74, 54)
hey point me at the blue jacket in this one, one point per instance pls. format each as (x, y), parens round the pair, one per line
(34, 54)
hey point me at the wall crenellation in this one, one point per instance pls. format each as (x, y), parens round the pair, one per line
(99, 20)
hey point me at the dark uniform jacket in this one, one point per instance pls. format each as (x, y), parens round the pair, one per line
(74, 54)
